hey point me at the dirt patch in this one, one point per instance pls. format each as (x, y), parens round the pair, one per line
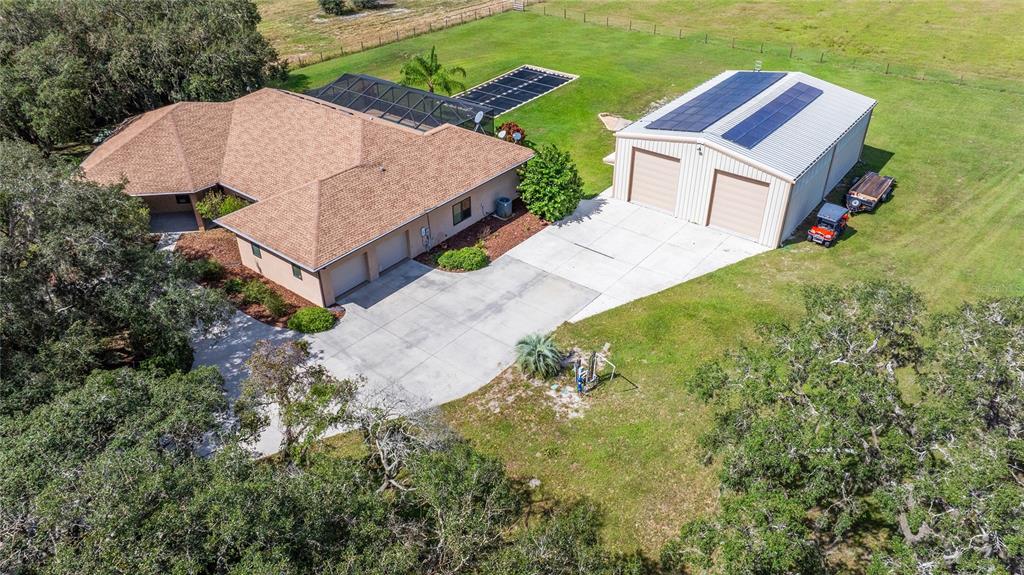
(220, 245)
(496, 236)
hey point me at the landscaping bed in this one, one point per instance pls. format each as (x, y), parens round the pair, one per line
(219, 245)
(495, 236)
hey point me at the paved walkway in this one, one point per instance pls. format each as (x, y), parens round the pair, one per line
(432, 336)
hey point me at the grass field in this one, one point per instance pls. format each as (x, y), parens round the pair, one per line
(973, 37)
(299, 29)
(953, 231)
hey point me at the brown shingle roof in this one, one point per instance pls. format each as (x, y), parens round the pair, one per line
(328, 180)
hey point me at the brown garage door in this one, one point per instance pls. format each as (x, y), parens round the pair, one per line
(348, 274)
(392, 249)
(655, 180)
(737, 204)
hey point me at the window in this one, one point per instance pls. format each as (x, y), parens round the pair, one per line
(461, 211)
(296, 271)
(256, 251)
(182, 199)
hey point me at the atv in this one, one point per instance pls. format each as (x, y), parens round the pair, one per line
(831, 223)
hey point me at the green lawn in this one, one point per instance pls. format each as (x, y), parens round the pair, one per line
(974, 37)
(954, 231)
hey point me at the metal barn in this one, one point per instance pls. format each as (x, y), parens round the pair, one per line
(750, 153)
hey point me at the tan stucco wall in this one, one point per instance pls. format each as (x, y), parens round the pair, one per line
(279, 271)
(165, 203)
(484, 197)
(440, 223)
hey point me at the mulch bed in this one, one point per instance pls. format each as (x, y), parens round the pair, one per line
(220, 245)
(497, 236)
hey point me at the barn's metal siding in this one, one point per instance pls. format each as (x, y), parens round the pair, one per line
(696, 176)
(848, 151)
(807, 193)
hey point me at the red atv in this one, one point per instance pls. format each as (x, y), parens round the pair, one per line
(831, 223)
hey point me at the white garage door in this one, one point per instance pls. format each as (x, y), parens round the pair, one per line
(655, 181)
(349, 273)
(737, 205)
(392, 249)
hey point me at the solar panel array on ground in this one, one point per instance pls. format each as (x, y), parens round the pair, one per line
(515, 88)
(708, 107)
(770, 117)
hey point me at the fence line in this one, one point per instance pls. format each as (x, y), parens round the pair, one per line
(790, 51)
(454, 18)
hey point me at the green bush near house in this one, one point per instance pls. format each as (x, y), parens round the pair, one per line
(255, 291)
(233, 286)
(464, 259)
(312, 320)
(550, 185)
(207, 269)
(217, 205)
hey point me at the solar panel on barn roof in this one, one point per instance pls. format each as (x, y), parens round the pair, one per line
(770, 117)
(708, 107)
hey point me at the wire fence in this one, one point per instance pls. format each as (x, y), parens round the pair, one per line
(402, 32)
(787, 51)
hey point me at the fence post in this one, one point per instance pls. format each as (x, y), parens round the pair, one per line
(563, 13)
(584, 17)
(680, 33)
(655, 29)
(630, 24)
(790, 52)
(734, 43)
(545, 10)
(821, 58)
(605, 21)
(705, 37)
(762, 47)
(361, 47)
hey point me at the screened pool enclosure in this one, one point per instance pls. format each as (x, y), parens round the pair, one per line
(404, 105)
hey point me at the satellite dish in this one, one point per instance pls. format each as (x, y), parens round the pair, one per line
(517, 136)
(479, 117)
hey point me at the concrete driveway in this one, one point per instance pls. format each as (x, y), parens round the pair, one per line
(431, 336)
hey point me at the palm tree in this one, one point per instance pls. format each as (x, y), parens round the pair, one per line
(427, 71)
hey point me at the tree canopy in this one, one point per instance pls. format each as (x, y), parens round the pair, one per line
(81, 284)
(68, 69)
(821, 444)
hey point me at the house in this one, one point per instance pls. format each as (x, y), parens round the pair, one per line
(337, 195)
(750, 153)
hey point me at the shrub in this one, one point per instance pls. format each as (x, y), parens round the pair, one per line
(275, 304)
(207, 269)
(312, 320)
(334, 7)
(365, 4)
(231, 204)
(549, 184)
(255, 291)
(464, 259)
(538, 356)
(217, 205)
(233, 286)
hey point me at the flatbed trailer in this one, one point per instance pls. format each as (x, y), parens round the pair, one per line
(869, 191)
